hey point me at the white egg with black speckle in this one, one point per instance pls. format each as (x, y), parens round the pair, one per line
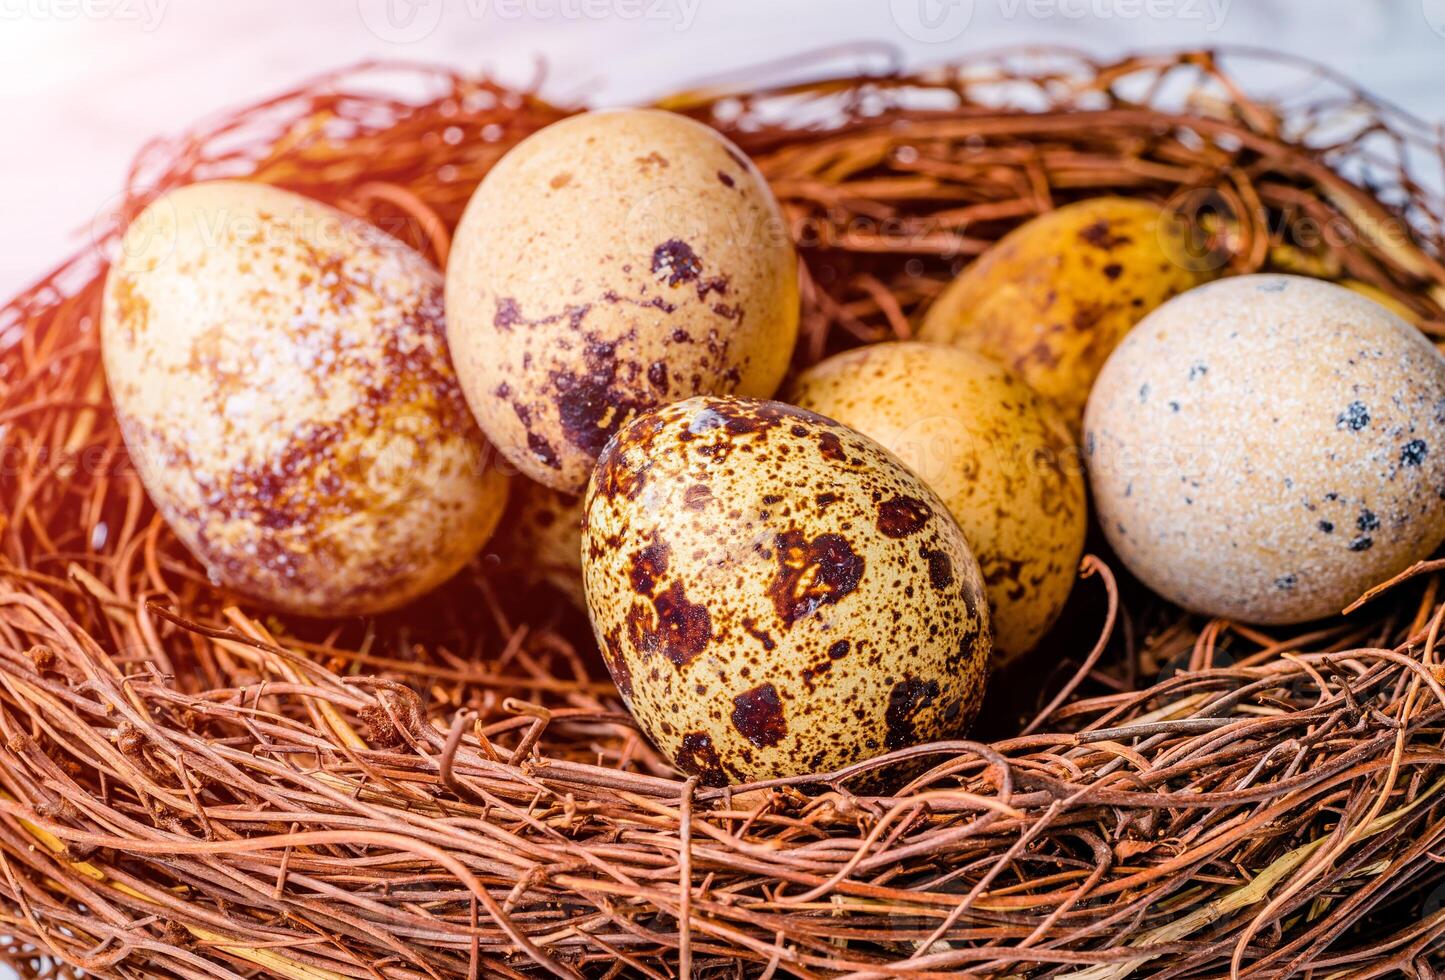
(1268, 447)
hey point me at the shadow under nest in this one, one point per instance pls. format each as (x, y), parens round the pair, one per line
(190, 787)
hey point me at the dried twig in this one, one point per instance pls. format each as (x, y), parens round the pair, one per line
(190, 789)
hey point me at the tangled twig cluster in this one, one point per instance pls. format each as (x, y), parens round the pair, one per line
(191, 788)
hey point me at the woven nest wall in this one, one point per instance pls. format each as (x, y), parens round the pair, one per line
(191, 787)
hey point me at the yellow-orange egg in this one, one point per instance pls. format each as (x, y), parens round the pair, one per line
(998, 455)
(541, 538)
(1057, 294)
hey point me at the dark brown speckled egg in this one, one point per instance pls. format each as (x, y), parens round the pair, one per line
(1268, 447)
(776, 594)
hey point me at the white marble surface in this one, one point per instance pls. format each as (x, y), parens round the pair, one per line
(83, 83)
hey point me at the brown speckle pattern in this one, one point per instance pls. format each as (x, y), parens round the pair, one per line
(811, 573)
(675, 627)
(788, 619)
(640, 279)
(540, 539)
(906, 701)
(1298, 468)
(900, 516)
(675, 262)
(281, 376)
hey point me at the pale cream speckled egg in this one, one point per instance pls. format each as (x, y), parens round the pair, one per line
(999, 456)
(280, 374)
(609, 263)
(776, 594)
(1268, 447)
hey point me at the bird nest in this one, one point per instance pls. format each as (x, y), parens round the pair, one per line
(192, 787)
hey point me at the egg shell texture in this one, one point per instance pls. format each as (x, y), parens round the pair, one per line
(280, 374)
(1267, 448)
(609, 263)
(541, 538)
(1054, 297)
(776, 594)
(998, 456)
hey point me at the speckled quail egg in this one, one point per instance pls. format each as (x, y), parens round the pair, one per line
(776, 594)
(1266, 448)
(280, 373)
(1054, 296)
(612, 262)
(996, 453)
(541, 538)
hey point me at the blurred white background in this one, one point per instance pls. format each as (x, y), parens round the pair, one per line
(83, 83)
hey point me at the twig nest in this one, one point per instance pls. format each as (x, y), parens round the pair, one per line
(280, 374)
(993, 450)
(776, 594)
(1267, 448)
(610, 263)
(1057, 294)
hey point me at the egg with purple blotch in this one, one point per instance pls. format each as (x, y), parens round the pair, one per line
(609, 263)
